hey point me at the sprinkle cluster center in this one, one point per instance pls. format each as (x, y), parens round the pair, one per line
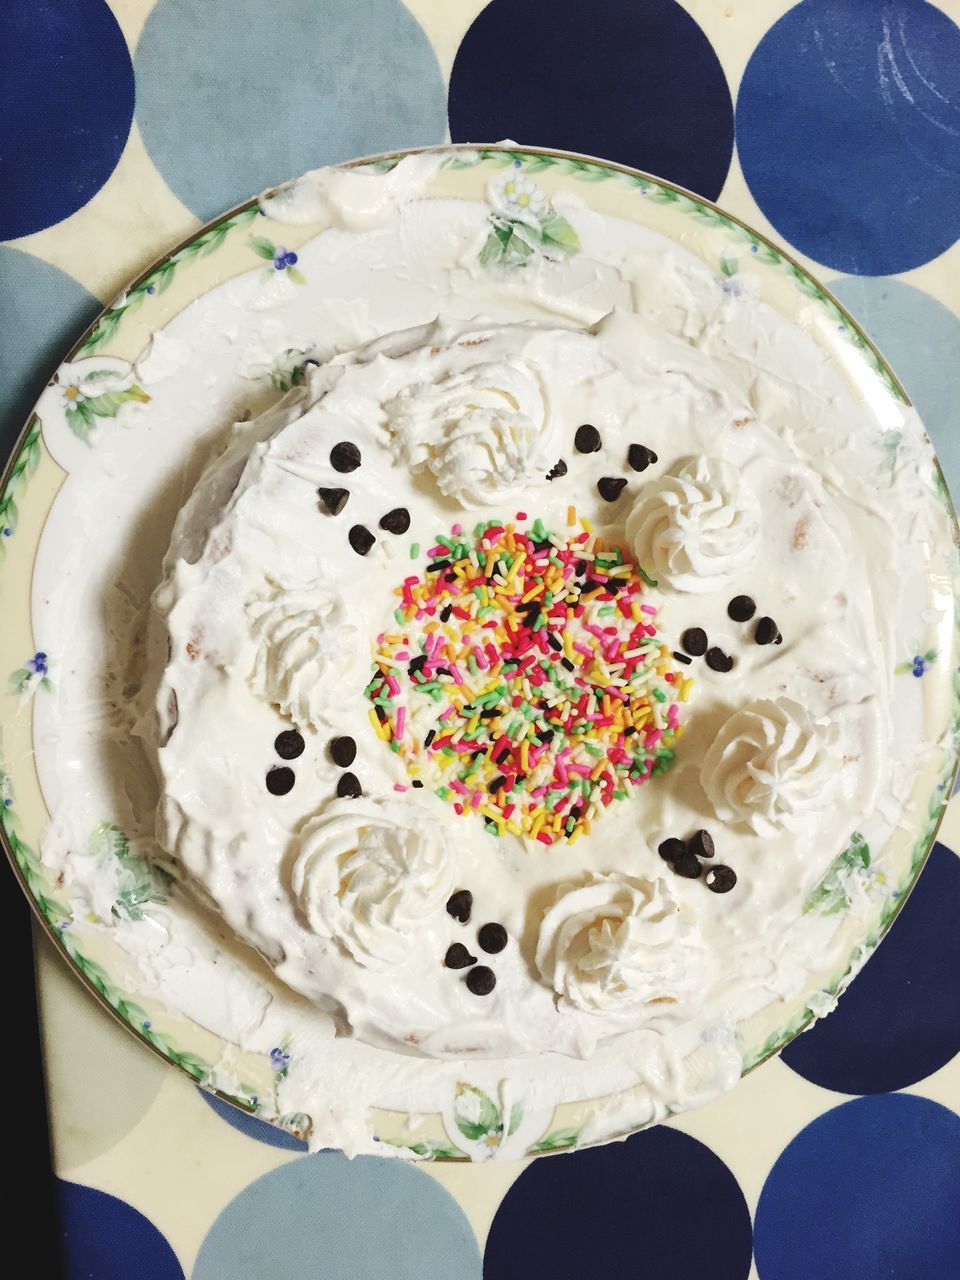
(525, 680)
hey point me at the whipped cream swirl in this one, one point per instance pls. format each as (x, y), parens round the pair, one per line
(768, 764)
(616, 941)
(307, 647)
(696, 528)
(484, 432)
(372, 878)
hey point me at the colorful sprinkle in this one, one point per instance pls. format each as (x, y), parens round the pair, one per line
(527, 682)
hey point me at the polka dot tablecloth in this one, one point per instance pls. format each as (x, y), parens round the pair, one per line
(831, 125)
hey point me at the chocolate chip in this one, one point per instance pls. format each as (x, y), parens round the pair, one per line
(492, 938)
(717, 660)
(766, 632)
(558, 469)
(671, 849)
(720, 879)
(458, 957)
(361, 539)
(349, 788)
(460, 904)
(396, 521)
(682, 657)
(611, 487)
(334, 499)
(280, 780)
(694, 640)
(481, 980)
(343, 751)
(288, 745)
(344, 456)
(688, 866)
(702, 844)
(741, 608)
(640, 457)
(587, 439)
(417, 783)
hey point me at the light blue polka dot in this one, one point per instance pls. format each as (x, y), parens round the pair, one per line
(848, 132)
(340, 1219)
(44, 310)
(66, 102)
(921, 338)
(869, 1190)
(251, 1126)
(235, 96)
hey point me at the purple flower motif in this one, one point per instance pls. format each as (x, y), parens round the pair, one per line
(279, 1059)
(7, 531)
(919, 665)
(37, 664)
(284, 258)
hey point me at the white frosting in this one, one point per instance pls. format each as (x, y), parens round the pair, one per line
(350, 198)
(636, 337)
(615, 941)
(769, 763)
(485, 432)
(697, 528)
(306, 649)
(371, 880)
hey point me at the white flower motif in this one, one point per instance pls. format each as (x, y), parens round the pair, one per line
(519, 199)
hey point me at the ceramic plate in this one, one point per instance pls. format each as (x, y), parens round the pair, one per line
(83, 472)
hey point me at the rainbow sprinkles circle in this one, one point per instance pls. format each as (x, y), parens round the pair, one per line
(526, 680)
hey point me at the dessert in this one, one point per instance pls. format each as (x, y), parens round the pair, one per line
(523, 685)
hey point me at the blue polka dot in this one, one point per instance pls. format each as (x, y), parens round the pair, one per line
(659, 1204)
(251, 1126)
(921, 338)
(43, 311)
(900, 1019)
(637, 83)
(848, 132)
(107, 1239)
(66, 102)
(340, 1219)
(870, 1189)
(234, 97)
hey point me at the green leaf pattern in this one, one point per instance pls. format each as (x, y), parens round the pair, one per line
(831, 894)
(557, 1140)
(139, 880)
(524, 224)
(27, 461)
(160, 279)
(82, 409)
(288, 369)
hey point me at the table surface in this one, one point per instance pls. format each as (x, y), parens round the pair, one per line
(834, 127)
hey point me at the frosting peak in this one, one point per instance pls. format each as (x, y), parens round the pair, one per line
(371, 879)
(768, 764)
(483, 432)
(615, 941)
(306, 648)
(696, 528)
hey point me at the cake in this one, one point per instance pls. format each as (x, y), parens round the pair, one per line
(525, 679)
